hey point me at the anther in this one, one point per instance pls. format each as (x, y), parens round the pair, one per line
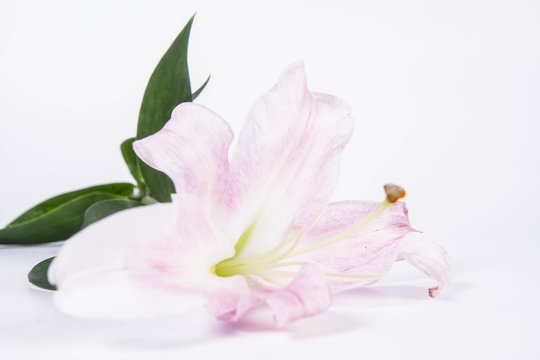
(393, 192)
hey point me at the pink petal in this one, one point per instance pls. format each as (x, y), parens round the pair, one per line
(287, 158)
(307, 295)
(428, 257)
(365, 247)
(372, 250)
(192, 149)
(149, 261)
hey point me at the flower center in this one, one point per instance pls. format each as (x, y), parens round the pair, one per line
(264, 265)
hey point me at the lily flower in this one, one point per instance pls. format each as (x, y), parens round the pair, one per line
(258, 229)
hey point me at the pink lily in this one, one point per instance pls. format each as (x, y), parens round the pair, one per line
(258, 229)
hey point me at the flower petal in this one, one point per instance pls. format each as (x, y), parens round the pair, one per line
(370, 252)
(428, 257)
(192, 149)
(149, 261)
(361, 252)
(307, 295)
(286, 161)
(92, 248)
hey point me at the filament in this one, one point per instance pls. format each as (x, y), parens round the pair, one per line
(264, 263)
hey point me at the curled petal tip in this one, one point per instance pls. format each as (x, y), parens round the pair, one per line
(394, 192)
(428, 257)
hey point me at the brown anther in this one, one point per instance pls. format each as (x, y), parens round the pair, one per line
(393, 192)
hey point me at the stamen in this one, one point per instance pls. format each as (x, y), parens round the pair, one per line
(351, 277)
(299, 236)
(252, 268)
(263, 263)
(235, 261)
(284, 264)
(329, 276)
(348, 232)
(394, 192)
(269, 256)
(280, 273)
(275, 250)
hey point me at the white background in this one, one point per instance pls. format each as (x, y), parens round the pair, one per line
(446, 96)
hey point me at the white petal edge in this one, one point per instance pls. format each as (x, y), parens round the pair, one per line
(93, 278)
(137, 264)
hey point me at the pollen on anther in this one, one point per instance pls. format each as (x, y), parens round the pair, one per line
(393, 192)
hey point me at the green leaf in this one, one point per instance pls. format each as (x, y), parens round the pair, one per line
(52, 203)
(59, 217)
(132, 163)
(105, 208)
(199, 90)
(38, 275)
(168, 86)
(158, 183)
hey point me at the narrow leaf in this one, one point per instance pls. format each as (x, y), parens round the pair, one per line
(58, 218)
(168, 86)
(199, 90)
(52, 203)
(158, 183)
(38, 275)
(132, 162)
(105, 208)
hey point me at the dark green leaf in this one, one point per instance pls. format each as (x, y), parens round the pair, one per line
(168, 86)
(105, 208)
(60, 217)
(199, 90)
(158, 184)
(52, 203)
(132, 162)
(38, 275)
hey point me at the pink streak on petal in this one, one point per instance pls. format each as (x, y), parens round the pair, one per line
(374, 248)
(183, 259)
(150, 261)
(192, 149)
(287, 158)
(363, 250)
(307, 295)
(244, 305)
